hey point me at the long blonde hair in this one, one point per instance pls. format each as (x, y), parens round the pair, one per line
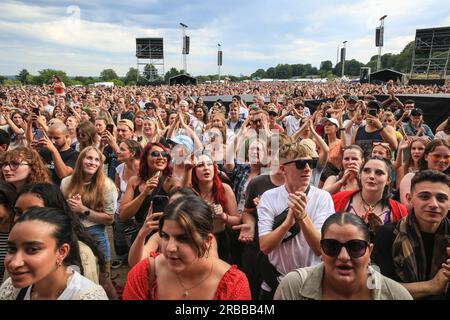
(92, 194)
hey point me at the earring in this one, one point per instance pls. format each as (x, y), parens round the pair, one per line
(58, 263)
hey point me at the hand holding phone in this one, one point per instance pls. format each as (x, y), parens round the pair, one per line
(110, 128)
(159, 203)
(372, 112)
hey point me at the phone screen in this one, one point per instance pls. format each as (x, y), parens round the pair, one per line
(372, 112)
(36, 111)
(39, 134)
(159, 203)
(110, 128)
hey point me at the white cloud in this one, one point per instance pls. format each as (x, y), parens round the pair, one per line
(63, 38)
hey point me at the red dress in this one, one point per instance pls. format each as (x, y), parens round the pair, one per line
(233, 285)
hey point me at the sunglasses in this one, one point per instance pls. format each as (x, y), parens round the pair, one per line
(438, 157)
(301, 164)
(383, 144)
(157, 154)
(257, 121)
(13, 165)
(355, 248)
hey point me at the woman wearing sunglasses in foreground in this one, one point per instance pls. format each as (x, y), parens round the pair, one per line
(152, 180)
(345, 273)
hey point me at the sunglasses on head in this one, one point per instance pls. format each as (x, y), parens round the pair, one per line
(156, 154)
(301, 164)
(355, 248)
(383, 144)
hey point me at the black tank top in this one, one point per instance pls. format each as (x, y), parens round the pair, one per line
(365, 139)
(141, 214)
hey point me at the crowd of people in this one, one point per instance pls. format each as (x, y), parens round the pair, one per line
(258, 200)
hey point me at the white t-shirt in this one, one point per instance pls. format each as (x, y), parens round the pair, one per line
(296, 252)
(292, 125)
(354, 128)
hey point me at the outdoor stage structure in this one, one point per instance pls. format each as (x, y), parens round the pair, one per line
(150, 51)
(430, 60)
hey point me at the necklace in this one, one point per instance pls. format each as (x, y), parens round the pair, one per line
(369, 206)
(186, 290)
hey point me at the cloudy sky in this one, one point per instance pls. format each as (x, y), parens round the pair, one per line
(86, 36)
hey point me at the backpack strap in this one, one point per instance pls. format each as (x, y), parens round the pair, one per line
(22, 293)
(151, 275)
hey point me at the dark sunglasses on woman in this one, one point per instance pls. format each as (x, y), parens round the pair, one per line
(355, 248)
(156, 154)
(301, 164)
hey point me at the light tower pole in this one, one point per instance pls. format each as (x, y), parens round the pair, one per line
(219, 62)
(380, 44)
(183, 39)
(343, 58)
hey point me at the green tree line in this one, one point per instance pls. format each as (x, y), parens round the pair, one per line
(400, 62)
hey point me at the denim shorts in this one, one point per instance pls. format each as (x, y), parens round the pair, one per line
(101, 235)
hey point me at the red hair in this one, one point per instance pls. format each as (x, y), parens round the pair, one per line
(218, 189)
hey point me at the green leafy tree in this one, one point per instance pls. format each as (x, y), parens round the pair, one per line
(258, 74)
(108, 75)
(283, 71)
(271, 72)
(131, 76)
(172, 73)
(118, 82)
(326, 66)
(150, 74)
(22, 76)
(2, 79)
(45, 76)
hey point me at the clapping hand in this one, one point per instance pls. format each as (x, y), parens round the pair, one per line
(76, 204)
(297, 203)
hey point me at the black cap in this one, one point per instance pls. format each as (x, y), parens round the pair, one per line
(374, 104)
(416, 112)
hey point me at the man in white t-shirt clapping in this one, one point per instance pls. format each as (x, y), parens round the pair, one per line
(295, 241)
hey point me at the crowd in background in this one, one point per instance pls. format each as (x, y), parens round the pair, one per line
(268, 199)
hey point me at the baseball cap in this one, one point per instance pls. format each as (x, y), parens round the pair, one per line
(374, 104)
(127, 122)
(332, 120)
(185, 141)
(416, 112)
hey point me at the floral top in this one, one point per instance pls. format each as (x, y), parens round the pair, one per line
(78, 288)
